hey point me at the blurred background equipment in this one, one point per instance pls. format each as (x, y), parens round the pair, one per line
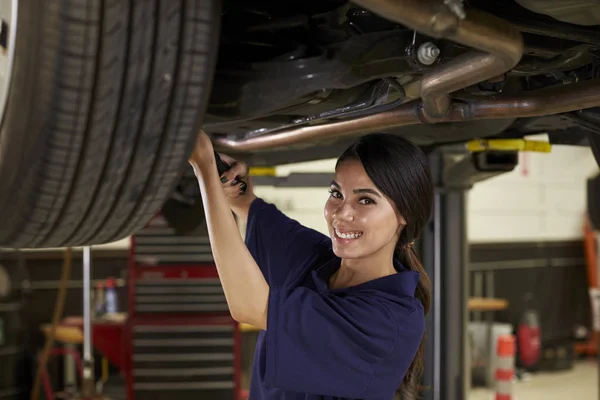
(528, 335)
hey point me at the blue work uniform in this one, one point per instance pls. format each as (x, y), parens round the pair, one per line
(321, 343)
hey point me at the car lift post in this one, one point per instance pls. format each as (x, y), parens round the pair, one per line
(445, 259)
(445, 255)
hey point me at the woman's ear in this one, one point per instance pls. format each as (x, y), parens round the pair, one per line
(400, 227)
(401, 221)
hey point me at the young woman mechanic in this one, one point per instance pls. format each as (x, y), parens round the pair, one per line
(340, 317)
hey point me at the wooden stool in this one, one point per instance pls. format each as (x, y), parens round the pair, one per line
(69, 337)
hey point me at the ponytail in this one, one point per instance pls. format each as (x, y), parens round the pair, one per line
(410, 388)
(400, 169)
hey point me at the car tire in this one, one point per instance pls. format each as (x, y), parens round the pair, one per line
(104, 101)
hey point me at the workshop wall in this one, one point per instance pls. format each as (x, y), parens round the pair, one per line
(552, 272)
(543, 199)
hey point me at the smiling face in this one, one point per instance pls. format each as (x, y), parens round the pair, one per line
(362, 221)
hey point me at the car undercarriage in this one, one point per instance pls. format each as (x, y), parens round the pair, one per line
(315, 74)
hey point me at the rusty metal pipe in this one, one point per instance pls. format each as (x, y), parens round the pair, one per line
(457, 74)
(500, 45)
(398, 117)
(547, 101)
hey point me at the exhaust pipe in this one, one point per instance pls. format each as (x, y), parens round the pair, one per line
(550, 100)
(500, 45)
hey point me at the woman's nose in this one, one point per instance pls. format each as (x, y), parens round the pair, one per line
(344, 213)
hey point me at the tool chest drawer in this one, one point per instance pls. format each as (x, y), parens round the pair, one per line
(183, 295)
(183, 361)
(157, 244)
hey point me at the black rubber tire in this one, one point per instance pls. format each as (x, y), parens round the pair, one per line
(106, 99)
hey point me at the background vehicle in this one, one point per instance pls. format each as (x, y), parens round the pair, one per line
(101, 100)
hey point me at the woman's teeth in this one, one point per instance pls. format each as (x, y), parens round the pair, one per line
(348, 235)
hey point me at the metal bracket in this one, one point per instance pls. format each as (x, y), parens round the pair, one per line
(460, 171)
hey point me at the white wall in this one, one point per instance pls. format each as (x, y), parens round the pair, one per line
(302, 204)
(543, 199)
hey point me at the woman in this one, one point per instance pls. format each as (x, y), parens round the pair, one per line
(340, 317)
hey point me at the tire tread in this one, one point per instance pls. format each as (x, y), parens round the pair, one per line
(129, 81)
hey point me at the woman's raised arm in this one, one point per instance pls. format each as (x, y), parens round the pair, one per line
(245, 287)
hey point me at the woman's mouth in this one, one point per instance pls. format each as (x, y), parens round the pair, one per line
(347, 235)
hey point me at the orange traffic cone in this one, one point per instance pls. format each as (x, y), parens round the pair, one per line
(505, 369)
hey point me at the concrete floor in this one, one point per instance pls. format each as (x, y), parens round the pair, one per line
(579, 383)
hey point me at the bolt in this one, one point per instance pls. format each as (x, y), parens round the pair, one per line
(428, 53)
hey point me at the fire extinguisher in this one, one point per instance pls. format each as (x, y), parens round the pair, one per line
(529, 340)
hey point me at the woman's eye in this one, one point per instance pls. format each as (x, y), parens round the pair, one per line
(335, 193)
(366, 201)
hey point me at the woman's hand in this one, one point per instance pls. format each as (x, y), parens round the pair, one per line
(203, 156)
(236, 183)
(237, 186)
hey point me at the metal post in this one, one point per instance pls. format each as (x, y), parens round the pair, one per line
(445, 258)
(88, 385)
(431, 256)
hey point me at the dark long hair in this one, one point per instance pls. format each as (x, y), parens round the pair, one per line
(401, 171)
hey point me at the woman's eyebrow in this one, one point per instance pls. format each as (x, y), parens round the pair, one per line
(365, 190)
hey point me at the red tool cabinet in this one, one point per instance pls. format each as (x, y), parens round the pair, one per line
(181, 340)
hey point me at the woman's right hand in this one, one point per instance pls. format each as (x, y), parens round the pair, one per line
(237, 186)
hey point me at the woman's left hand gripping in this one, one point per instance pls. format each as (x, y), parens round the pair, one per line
(203, 154)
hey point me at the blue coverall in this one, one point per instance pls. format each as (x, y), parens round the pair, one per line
(351, 343)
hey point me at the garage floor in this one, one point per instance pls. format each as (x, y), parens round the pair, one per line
(579, 383)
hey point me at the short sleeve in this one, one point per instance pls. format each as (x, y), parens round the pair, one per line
(330, 345)
(280, 245)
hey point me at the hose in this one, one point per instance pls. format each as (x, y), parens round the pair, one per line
(58, 312)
